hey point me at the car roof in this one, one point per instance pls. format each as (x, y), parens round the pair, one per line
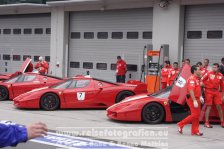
(50, 76)
(90, 78)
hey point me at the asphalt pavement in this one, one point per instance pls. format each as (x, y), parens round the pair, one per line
(61, 122)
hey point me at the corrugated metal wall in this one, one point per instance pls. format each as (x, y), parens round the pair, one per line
(204, 19)
(97, 50)
(25, 38)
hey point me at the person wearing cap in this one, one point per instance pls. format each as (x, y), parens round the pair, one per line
(42, 66)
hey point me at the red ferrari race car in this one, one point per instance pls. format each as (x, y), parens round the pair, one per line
(25, 82)
(79, 92)
(24, 68)
(167, 105)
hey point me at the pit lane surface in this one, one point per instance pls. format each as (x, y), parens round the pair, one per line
(213, 138)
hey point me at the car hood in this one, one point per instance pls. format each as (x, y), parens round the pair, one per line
(136, 97)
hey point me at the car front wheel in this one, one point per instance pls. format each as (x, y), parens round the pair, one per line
(50, 102)
(153, 113)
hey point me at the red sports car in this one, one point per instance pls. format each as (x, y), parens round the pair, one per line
(79, 92)
(25, 82)
(167, 105)
(24, 68)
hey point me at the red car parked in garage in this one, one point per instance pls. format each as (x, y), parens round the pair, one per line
(25, 82)
(167, 105)
(79, 92)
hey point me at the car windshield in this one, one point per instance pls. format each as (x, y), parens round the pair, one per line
(13, 80)
(21, 78)
(165, 92)
(162, 94)
(71, 83)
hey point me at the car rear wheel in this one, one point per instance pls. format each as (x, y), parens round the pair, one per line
(153, 113)
(122, 95)
(4, 93)
(49, 102)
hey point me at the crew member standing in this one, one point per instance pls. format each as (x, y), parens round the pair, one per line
(206, 65)
(183, 63)
(221, 69)
(173, 72)
(121, 70)
(213, 93)
(193, 101)
(42, 66)
(203, 69)
(164, 73)
(187, 61)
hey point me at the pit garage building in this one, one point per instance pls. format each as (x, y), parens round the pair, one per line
(77, 36)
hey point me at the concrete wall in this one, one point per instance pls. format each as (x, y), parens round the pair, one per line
(59, 41)
(168, 28)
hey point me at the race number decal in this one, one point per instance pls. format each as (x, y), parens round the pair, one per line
(81, 96)
(181, 82)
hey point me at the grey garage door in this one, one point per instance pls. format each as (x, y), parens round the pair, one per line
(204, 26)
(97, 38)
(22, 36)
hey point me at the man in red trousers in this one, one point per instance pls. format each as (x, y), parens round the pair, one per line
(193, 101)
(173, 72)
(121, 70)
(214, 93)
(164, 73)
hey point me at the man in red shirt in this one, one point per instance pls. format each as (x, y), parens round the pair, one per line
(42, 66)
(187, 61)
(221, 68)
(213, 93)
(203, 69)
(173, 72)
(121, 70)
(193, 101)
(164, 73)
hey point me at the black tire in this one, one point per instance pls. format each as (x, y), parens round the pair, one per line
(49, 102)
(4, 93)
(153, 113)
(122, 95)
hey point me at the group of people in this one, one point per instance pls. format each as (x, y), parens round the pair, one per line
(207, 80)
(169, 73)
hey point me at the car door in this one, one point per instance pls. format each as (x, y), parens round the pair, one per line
(25, 83)
(80, 93)
(179, 89)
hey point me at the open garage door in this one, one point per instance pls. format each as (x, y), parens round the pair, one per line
(204, 26)
(98, 37)
(22, 36)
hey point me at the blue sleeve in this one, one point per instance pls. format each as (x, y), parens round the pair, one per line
(12, 134)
